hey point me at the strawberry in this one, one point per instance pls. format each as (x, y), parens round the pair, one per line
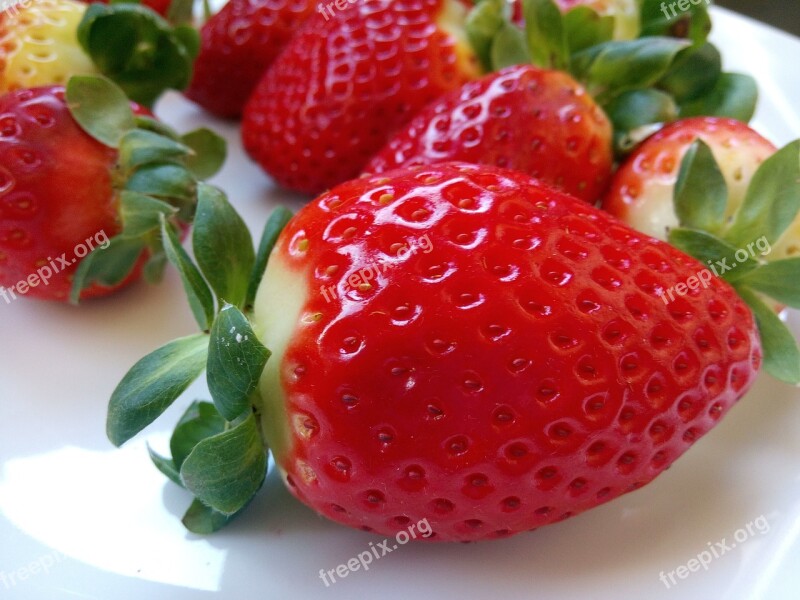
(533, 120)
(346, 81)
(46, 42)
(238, 44)
(76, 176)
(457, 343)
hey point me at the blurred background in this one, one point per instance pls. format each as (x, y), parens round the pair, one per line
(784, 14)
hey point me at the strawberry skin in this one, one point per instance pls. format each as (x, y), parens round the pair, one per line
(38, 221)
(536, 121)
(238, 45)
(39, 45)
(507, 362)
(641, 192)
(343, 85)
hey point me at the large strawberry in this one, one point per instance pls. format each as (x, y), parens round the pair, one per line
(722, 193)
(80, 171)
(456, 343)
(347, 80)
(47, 41)
(532, 120)
(238, 44)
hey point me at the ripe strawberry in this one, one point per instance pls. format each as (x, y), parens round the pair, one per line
(238, 44)
(64, 192)
(642, 190)
(46, 42)
(346, 81)
(456, 343)
(39, 45)
(537, 121)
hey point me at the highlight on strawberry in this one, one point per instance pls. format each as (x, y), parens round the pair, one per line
(80, 161)
(48, 41)
(524, 369)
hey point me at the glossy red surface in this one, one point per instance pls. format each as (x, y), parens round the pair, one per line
(507, 362)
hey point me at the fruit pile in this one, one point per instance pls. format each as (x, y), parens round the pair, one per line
(546, 256)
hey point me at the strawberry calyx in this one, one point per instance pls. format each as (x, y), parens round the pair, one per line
(217, 449)
(138, 49)
(670, 71)
(156, 178)
(736, 247)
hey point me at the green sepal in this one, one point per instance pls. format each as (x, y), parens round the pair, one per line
(100, 107)
(482, 24)
(106, 266)
(197, 291)
(166, 466)
(204, 520)
(657, 19)
(585, 27)
(544, 30)
(611, 68)
(138, 49)
(701, 194)
(222, 246)
(694, 74)
(139, 147)
(180, 11)
(713, 251)
(779, 280)
(225, 471)
(208, 152)
(509, 47)
(781, 354)
(772, 201)
(141, 214)
(164, 180)
(636, 114)
(153, 384)
(734, 96)
(236, 359)
(153, 270)
(200, 421)
(276, 223)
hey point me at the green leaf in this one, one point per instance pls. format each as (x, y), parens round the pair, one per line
(482, 24)
(204, 520)
(236, 359)
(694, 74)
(544, 29)
(276, 223)
(636, 113)
(779, 280)
(107, 266)
(661, 18)
(701, 194)
(139, 147)
(100, 108)
(197, 292)
(509, 48)
(614, 67)
(153, 271)
(153, 384)
(772, 201)
(200, 421)
(138, 49)
(166, 466)
(163, 180)
(734, 96)
(142, 214)
(781, 355)
(225, 471)
(209, 151)
(584, 28)
(222, 246)
(719, 255)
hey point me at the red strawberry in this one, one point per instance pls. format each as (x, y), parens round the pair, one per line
(238, 44)
(457, 343)
(642, 190)
(62, 192)
(537, 121)
(347, 81)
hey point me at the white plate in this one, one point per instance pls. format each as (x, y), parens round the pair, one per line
(83, 520)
